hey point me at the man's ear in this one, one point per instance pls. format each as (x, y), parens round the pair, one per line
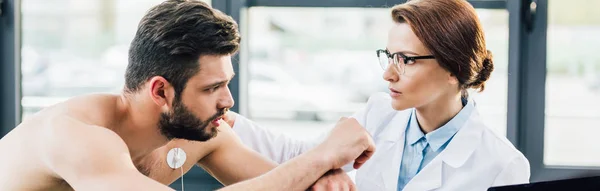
(161, 92)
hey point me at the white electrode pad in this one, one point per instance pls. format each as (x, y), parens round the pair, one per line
(176, 158)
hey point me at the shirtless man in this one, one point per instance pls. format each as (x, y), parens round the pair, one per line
(175, 95)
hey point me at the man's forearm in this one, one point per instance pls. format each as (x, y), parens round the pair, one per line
(296, 174)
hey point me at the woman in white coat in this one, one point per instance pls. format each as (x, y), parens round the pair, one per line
(428, 133)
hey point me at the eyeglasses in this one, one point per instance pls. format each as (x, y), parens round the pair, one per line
(398, 57)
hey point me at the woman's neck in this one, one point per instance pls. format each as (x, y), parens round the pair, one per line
(438, 112)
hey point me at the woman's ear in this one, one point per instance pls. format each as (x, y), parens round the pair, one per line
(452, 79)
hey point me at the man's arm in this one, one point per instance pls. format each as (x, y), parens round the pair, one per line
(223, 156)
(231, 161)
(92, 158)
(347, 142)
(281, 148)
(296, 174)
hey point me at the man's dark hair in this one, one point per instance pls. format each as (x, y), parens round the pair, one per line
(171, 38)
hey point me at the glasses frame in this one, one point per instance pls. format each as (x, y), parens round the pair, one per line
(408, 60)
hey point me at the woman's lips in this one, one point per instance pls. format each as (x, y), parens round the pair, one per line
(394, 92)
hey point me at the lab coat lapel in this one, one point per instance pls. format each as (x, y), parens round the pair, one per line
(391, 148)
(464, 143)
(458, 151)
(429, 178)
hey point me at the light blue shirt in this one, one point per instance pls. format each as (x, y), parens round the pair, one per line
(420, 149)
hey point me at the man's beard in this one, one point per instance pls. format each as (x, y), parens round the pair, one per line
(181, 123)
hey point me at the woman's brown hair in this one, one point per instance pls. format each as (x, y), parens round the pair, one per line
(451, 30)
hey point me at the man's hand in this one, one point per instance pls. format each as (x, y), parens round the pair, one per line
(229, 118)
(347, 142)
(334, 180)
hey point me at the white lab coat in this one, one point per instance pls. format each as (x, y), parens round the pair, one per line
(475, 159)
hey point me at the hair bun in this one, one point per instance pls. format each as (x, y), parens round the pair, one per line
(484, 74)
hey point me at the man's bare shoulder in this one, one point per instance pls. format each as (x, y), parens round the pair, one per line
(92, 108)
(69, 143)
(71, 122)
(67, 130)
(90, 156)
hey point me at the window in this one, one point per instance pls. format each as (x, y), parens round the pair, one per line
(329, 53)
(492, 102)
(74, 47)
(572, 84)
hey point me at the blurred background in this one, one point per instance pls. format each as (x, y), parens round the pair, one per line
(304, 64)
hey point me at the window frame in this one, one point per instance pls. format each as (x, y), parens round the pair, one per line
(487, 4)
(10, 86)
(527, 90)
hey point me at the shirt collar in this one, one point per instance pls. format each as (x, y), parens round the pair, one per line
(413, 132)
(436, 139)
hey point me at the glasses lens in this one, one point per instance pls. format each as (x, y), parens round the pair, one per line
(383, 60)
(399, 62)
